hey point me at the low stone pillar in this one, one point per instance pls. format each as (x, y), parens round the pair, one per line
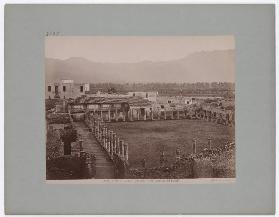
(126, 152)
(227, 118)
(194, 146)
(152, 118)
(202, 168)
(172, 115)
(177, 114)
(80, 145)
(165, 114)
(209, 143)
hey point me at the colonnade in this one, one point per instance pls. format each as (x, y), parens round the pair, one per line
(223, 117)
(108, 139)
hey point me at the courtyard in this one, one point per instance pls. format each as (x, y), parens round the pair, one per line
(147, 139)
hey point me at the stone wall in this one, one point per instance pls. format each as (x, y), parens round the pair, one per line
(209, 163)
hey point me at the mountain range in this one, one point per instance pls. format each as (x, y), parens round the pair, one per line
(203, 66)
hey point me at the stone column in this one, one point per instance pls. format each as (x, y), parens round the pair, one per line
(96, 126)
(165, 114)
(109, 115)
(118, 146)
(108, 142)
(100, 132)
(105, 132)
(116, 115)
(152, 115)
(103, 135)
(129, 115)
(122, 149)
(194, 146)
(91, 125)
(132, 114)
(172, 115)
(105, 142)
(105, 139)
(111, 142)
(144, 117)
(124, 116)
(114, 143)
(138, 114)
(97, 131)
(177, 114)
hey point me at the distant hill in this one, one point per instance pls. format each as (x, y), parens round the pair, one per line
(205, 66)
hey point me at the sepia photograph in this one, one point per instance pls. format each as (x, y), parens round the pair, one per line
(140, 109)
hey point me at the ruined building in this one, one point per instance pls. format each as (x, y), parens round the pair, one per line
(65, 89)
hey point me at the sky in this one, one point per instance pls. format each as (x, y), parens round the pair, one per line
(128, 49)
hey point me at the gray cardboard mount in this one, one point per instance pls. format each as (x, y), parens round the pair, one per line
(25, 189)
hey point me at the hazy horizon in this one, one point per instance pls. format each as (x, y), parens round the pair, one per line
(141, 59)
(131, 49)
(153, 61)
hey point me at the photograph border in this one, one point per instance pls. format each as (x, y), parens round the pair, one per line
(25, 189)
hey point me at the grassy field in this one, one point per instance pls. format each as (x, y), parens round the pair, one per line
(147, 139)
